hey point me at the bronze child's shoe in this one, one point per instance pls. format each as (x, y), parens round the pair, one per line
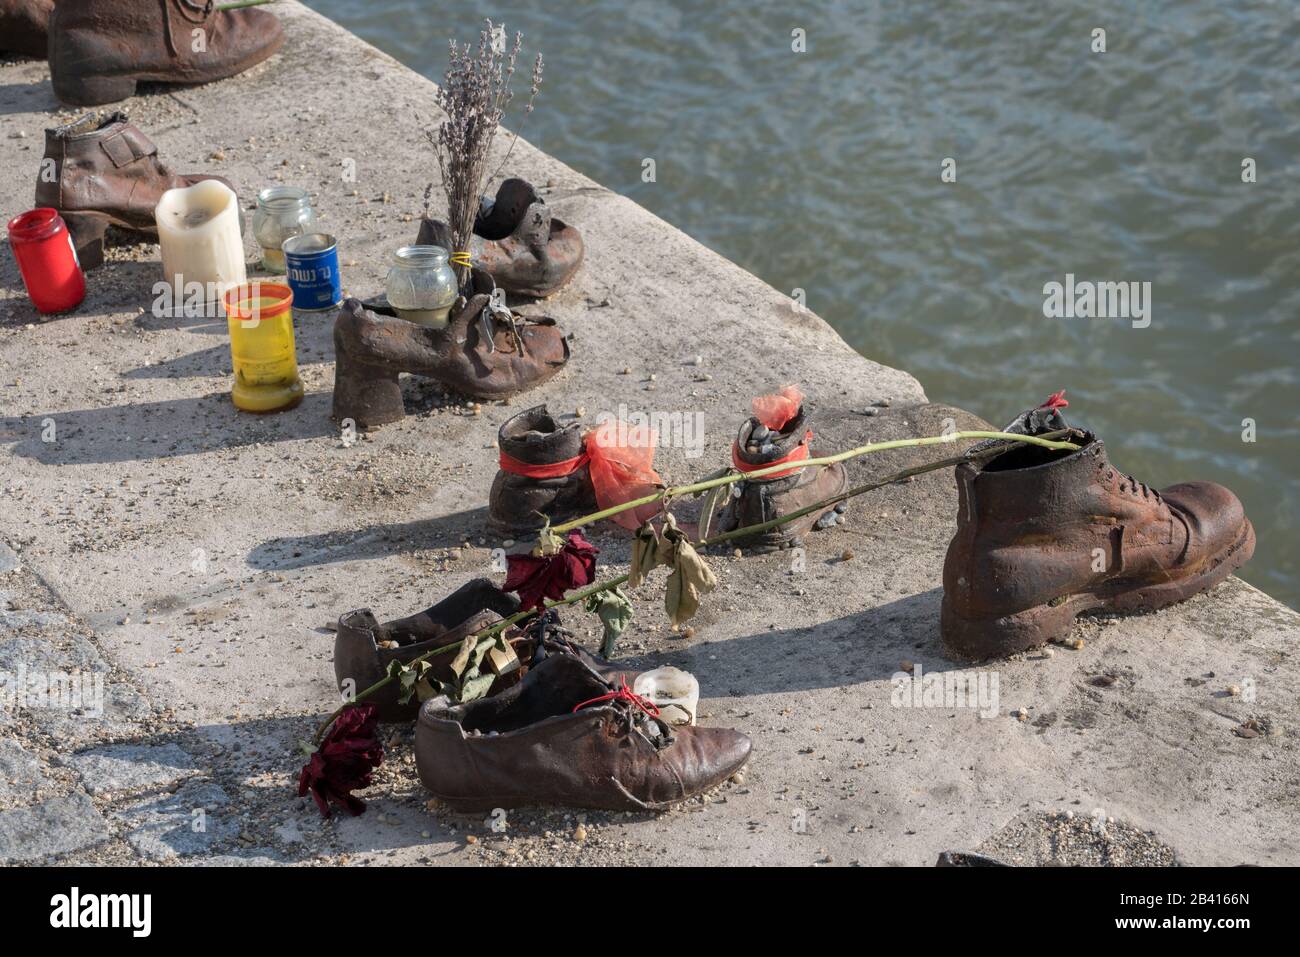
(525, 249)
(363, 647)
(565, 736)
(485, 352)
(1044, 536)
(559, 488)
(24, 26)
(104, 172)
(755, 501)
(100, 49)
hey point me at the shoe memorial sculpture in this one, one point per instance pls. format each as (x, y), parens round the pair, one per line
(99, 50)
(1044, 536)
(778, 432)
(24, 26)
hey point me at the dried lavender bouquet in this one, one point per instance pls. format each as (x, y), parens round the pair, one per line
(474, 95)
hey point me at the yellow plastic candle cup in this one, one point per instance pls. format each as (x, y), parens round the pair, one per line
(263, 354)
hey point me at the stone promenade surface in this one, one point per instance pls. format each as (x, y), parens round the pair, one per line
(190, 558)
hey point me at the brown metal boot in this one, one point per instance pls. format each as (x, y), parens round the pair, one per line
(565, 736)
(363, 647)
(104, 172)
(373, 345)
(100, 49)
(519, 505)
(24, 26)
(755, 501)
(1043, 536)
(526, 250)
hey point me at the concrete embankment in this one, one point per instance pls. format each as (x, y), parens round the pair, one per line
(194, 556)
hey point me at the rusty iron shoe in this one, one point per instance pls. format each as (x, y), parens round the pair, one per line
(24, 26)
(480, 354)
(755, 501)
(100, 49)
(565, 736)
(101, 172)
(363, 647)
(526, 249)
(1044, 536)
(519, 505)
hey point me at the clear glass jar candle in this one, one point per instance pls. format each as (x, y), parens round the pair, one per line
(282, 212)
(421, 285)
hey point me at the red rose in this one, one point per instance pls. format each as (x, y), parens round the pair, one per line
(550, 576)
(344, 760)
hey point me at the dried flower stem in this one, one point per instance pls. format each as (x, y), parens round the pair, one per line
(585, 593)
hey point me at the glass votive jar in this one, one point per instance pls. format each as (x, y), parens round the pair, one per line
(421, 285)
(263, 353)
(282, 212)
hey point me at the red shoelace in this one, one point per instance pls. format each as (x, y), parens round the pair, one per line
(624, 693)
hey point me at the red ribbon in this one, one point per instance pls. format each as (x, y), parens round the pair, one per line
(624, 693)
(1056, 400)
(798, 455)
(552, 470)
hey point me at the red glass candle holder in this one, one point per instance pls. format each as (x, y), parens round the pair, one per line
(47, 260)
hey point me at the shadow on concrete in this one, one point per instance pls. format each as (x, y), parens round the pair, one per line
(35, 97)
(156, 430)
(376, 541)
(866, 646)
(212, 361)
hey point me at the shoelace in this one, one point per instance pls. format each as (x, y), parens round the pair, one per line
(623, 693)
(1134, 485)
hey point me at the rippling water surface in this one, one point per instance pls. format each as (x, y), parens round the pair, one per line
(821, 171)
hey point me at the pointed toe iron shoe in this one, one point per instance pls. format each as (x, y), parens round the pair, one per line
(527, 250)
(485, 352)
(755, 501)
(100, 49)
(543, 476)
(1044, 536)
(363, 647)
(564, 736)
(105, 172)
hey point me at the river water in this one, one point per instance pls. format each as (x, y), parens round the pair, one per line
(824, 170)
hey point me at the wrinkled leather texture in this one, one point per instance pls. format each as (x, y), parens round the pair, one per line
(108, 167)
(526, 746)
(99, 49)
(24, 26)
(764, 499)
(519, 505)
(525, 249)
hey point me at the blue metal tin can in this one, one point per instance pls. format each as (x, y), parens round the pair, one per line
(312, 267)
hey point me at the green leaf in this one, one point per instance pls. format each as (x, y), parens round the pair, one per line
(713, 500)
(461, 662)
(615, 611)
(476, 687)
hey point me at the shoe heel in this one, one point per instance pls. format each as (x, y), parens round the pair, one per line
(979, 639)
(93, 90)
(87, 231)
(366, 394)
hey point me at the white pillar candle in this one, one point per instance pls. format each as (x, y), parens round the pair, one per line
(198, 229)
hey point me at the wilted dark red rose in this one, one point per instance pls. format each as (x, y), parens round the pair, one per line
(344, 760)
(550, 576)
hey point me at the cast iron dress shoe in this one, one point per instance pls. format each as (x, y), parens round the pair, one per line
(104, 172)
(485, 352)
(565, 736)
(24, 26)
(755, 501)
(1044, 536)
(525, 249)
(100, 49)
(519, 504)
(363, 648)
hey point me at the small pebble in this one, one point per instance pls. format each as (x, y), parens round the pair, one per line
(580, 833)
